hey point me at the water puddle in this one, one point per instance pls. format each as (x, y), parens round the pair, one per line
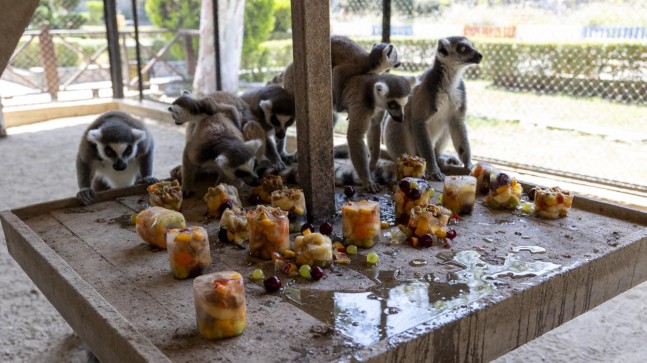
(401, 302)
(531, 249)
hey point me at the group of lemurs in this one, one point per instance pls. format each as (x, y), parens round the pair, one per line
(242, 137)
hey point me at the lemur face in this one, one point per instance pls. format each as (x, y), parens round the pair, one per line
(395, 108)
(118, 153)
(458, 50)
(243, 170)
(281, 124)
(394, 98)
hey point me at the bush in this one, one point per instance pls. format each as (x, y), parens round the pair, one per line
(282, 16)
(57, 14)
(608, 70)
(95, 11)
(30, 56)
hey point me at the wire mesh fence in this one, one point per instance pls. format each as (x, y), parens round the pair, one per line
(562, 87)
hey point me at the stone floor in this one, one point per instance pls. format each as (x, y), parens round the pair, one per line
(37, 165)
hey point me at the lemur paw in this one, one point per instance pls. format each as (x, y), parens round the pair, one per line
(373, 188)
(85, 196)
(289, 158)
(280, 165)
(435, 175)
(147, 180)
(447, 160)
(176, 173)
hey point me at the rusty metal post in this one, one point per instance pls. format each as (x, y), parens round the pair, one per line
(312, 74)
(190, 55)
(48, 58)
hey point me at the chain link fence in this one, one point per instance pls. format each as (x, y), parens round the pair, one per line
(562, 87)
(63, 54)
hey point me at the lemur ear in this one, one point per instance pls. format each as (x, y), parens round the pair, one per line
(253, 145)
(381, 89)
(388, 49)
(266, 106)
(94, 136)
(186, 93)
(222, 160)
(139, 135)
(443, 46)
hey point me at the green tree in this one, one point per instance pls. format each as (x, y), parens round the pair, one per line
(259, 23)
(57, 14)
(282, 16)
(174, 14)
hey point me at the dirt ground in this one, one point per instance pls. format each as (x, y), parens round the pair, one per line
(37, 165)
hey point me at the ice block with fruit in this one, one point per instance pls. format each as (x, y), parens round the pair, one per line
(221, 197)
(151, 224)
(552, 203)
(361, 223)
(292, 201)
(188, 251)
(220, 306)
(313, 249)
(411, 166)
(482, 171)
(269, 183)
(409, 193)
(430, 219)
(268, 231)
(234, 221)
(459, 192)
(166, 194)
(505, 192)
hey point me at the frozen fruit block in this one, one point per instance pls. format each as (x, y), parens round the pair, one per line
(482, 171)
(269, 183)
(459, 192)
(430, 219)
(505, 192)
(552, 203)
(188, 251)
(411, 166)
(410, 192)
(313, 249)
(221, 197)
(166, 194)
(235, 222)
(220, 306)
(151, 224)
(292, 201)
(361, 223)
(268, 231)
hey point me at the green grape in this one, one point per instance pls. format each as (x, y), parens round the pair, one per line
(527, 208)
(440, 199)
(351, 250)
(372, 258)
(304, 271)
(257, 275)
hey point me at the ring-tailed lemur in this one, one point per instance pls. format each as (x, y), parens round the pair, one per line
(214, 140)
(116, 151)
(348, 59)
(436, 110)
(365, 97)
(273, 108)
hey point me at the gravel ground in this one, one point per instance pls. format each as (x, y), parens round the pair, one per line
(37, 165)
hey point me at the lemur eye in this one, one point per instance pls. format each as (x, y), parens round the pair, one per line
(289, 123)
(462, 49)
(128, 150)
(275, 121)
(108, 150)
(393, 104)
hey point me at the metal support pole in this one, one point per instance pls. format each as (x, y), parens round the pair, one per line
(112, 35)
(311, 52)
(216, 42)
(140, 81)
(386, 21)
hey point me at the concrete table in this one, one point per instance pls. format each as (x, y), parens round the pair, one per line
(491, 292)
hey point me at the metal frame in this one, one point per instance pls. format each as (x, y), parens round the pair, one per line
(112, 35)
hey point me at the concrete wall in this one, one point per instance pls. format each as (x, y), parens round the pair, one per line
(14, 18)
